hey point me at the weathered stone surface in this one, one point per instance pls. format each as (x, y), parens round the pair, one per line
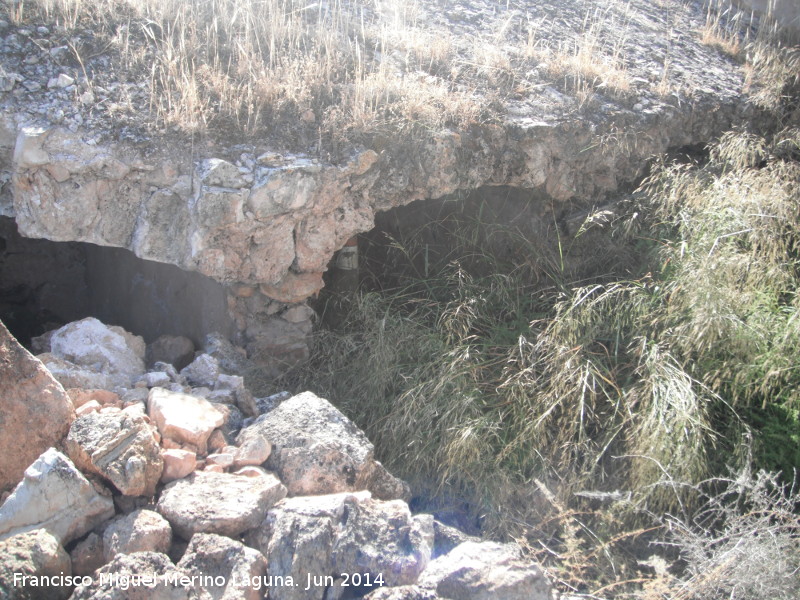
(253, 447)
(118, 447)
(177, 464)
(157, 379)
(445, 538)
(294, 287)
(87, 408)
(383, 537)
(248, 223)
(183, 418)
(236, 564)
(35, 411)
(88, 555)
(215, 172)
(403, 592)
(385, 486)
(35, 553)
(485, 571)
(80, 396)
(218, 503)
(242, 396)
(315, 448)
(54, 496)
(297, 538)
(221, 459)
(98, 348)
(202, 371)
(342, 533)
(70, 375)
(139, 531)
(232, 360)
(139, 576)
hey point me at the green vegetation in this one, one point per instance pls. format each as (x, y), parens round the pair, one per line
(587, 392)
(500, 388)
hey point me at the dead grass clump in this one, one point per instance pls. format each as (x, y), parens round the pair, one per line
(743, 543)
(490, 381)
(584, 63)
(723, 28)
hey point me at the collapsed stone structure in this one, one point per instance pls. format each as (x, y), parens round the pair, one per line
(161, 483)
(265, 223)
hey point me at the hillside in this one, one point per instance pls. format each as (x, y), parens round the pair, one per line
(574, 316)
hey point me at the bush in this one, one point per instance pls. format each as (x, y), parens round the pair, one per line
(742, 544)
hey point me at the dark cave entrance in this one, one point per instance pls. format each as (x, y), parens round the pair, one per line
(483, 231)
(45, 284)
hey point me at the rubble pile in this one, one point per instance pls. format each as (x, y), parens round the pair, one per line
(145, 481)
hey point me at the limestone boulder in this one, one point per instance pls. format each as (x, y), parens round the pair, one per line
(241, 395)
(203, 371)
(183, 418)
(403, 592)
(241, 569)
(177, 464)
(220, 503)
(297, 537)
(55, 496)
(315, 448)
(253, 447)
(383, 537)
(35, 411)
(70, 375)
(485, 571)
(139, 576)
(175, 350)
(98, 348)
(34, 553)
(140, 531)
(342, 533)
(120, 448)
(231, 359)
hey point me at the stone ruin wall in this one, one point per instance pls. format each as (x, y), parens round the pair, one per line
(266, 225)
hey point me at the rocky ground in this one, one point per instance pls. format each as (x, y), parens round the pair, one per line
(567, 100)
(133, 479)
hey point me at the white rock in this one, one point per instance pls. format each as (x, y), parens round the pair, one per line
(234, 563)
(202, 371)
(177, 464)
(315, 448)
(218, 503)
(109, 350)
(140, 531)
(54, 496)
(118, 447)
(485, 571)
(29, 150)
(183, 418)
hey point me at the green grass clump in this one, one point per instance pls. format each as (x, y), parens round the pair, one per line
(500, 385)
